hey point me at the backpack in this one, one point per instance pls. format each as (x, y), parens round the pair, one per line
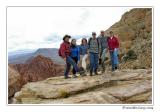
(81, 71)
(90, 41)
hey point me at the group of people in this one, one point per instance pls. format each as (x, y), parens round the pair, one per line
(96, 48)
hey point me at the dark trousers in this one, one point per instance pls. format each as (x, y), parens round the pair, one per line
(76, 61)
(69, 62)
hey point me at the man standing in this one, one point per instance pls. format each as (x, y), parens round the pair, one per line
(113, 45)
(94, 49)
(104, 48)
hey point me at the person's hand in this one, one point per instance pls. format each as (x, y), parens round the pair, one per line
(78, 62)
(87, 51)
(64, 59)
(99, 56)
(115, 49)
(106, 50)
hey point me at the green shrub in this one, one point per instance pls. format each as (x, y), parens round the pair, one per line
(131, 55)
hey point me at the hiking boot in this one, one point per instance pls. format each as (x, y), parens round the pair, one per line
(116, 67)
(96, 73)
(67, 77)
(91, 74)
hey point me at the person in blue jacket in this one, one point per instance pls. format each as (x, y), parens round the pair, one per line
(75, 54)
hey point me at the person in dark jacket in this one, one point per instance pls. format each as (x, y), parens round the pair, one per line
(75, 54)
(104, 49)
(65, 52)
(113, 45)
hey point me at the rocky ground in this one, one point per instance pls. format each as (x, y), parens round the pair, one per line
(120, 87)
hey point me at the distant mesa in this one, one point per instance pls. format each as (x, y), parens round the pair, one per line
(46, 52)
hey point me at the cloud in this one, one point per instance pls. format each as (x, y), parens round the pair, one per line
(84, 16)
(53, 38)
(33, 27)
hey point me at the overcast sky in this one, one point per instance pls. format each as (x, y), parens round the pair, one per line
(44, 27)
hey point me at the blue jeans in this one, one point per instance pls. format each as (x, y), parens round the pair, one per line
(75, 59)
(114, 59)
(93, 62)
(69, 62)
(116, 62)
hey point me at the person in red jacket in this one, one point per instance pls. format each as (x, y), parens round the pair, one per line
(65, 52)
(113, 45)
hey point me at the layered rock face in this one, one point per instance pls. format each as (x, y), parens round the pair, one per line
(36, 69)
(14, 81)
(126, 86)
(135, 34)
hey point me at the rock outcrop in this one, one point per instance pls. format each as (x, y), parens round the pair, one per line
(125, 86)
(135, 34)
(14, 82)
(36, 69)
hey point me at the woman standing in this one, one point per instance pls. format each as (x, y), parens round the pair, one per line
(75, 54)
(84, 53)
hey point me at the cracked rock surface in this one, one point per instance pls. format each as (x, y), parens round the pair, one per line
(120, 87)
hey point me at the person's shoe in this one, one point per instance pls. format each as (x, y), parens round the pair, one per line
(113, 70)
(96, 73)
(67, 77)
(91, 74)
